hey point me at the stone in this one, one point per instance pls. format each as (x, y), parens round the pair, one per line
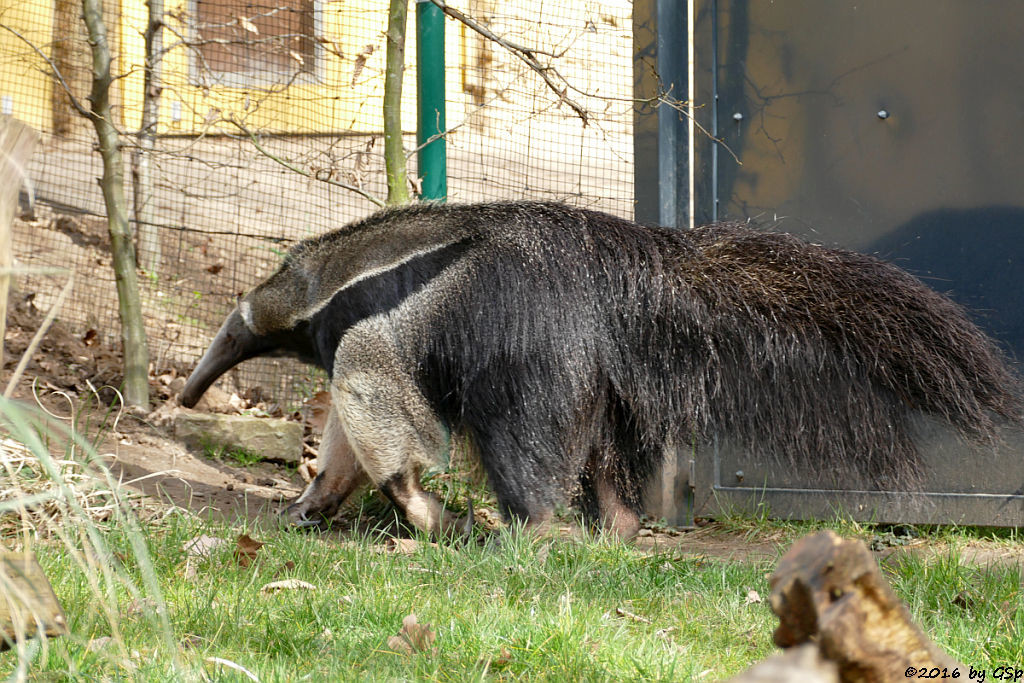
(216, 400)
(270, 438)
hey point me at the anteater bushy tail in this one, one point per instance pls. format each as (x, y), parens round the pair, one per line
(585, 342)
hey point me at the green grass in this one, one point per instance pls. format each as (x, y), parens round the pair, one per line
(518, 609)
(514, 608)
(235, 455)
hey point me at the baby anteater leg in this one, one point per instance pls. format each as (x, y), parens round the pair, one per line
(338, 475)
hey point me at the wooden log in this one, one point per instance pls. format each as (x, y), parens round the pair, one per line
(27, 601)
(829, 591)
(801, 664)
(17, 142)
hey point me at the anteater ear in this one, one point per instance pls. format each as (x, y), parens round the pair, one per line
(234, 343)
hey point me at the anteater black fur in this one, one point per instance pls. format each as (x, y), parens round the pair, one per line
(584, 340)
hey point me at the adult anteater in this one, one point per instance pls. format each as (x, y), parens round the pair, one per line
(571, 347)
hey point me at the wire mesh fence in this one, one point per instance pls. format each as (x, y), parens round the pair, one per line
(267, 122)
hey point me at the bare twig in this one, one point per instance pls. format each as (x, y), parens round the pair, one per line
(445, 133)
(56, 73)
(291, 167)
(528, 55)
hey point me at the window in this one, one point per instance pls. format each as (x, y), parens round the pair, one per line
(242, 42)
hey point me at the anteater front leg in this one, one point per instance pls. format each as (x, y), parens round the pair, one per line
(338, 475)
(393, 431)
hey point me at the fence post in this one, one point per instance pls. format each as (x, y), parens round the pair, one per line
(661, 133)
(661, 181)
(430, 112)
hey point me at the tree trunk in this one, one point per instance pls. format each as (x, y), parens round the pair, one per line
(70, 57)
(394, 152)
(146, 230)
(133, 333)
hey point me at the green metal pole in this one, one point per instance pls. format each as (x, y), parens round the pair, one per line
(432, 156)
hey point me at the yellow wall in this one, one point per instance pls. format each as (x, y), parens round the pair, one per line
(22, 76)
(338, 100)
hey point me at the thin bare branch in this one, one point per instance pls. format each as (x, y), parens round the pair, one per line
(528, 55)
(78, 106)
(291, 167)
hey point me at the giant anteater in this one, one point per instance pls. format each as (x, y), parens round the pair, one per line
(572, 347)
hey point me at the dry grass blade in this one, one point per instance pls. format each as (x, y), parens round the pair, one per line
(29, 490)
(63, 498)
(231, 665)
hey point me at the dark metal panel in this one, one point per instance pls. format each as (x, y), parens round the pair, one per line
(662, 174)
(960, 485)
(890, 128)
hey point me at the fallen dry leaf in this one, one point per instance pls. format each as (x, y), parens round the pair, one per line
(753, 597)
(317, 407)
(202, 546)
(629, 615)
(248, 25)
(360, 62)
(503, 659)
(238, 403)
(287, 585)
(400, 546)
(414, 637)
(286, 567)
(246, 550)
